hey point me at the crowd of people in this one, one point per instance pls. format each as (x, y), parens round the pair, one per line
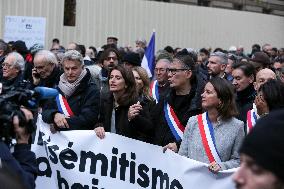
(200, 103)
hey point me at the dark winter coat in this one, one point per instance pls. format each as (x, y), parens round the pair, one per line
(122, 125)
(52, 80)
(184, 107)
(244, 101)
(22, 162)
(84, 103)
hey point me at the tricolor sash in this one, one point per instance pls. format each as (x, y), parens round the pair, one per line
(63, 106)
(173, 122)
(154, 91)
(251, 119)
(208, 139)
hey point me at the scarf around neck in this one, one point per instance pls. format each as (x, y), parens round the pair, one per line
(69, 88)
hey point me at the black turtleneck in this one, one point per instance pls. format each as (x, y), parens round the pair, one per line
(246, 95)
(245, 99)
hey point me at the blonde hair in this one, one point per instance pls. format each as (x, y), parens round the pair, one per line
(146, 82)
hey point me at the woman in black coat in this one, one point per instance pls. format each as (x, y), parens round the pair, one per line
(122, 95)
(145, 102)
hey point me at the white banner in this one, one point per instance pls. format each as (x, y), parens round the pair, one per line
(31, 30)
(78, 159)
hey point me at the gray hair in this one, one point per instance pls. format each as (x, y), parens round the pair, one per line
(47, 56)
(74, 56)
(223, 57)
(19, 61)
(164, 60)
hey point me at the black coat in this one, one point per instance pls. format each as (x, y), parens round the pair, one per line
(52, 80)
(84, 103)
(15, 82)
(183, 106)
(122, 125)
(22, 162)
(245, 101)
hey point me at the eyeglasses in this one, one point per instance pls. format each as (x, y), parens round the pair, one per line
(109, 58)
(7, 65)
(174, 70)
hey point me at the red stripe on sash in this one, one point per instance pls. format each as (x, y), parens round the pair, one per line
(151, 88)
(180, 126)
(204, 140)
(249, 123)
(67, 106)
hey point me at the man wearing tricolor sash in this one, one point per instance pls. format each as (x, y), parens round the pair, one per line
(76, 107)
(215, 136)
(160, 86)
(170, 115)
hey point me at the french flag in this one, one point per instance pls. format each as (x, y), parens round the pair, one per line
(148, 60)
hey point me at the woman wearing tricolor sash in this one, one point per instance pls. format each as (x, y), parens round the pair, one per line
(215, 136)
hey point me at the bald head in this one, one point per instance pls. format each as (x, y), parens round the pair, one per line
(263, 76)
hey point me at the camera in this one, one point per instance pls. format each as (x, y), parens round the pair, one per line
(10, 105)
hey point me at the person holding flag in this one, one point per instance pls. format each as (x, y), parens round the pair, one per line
(215, 136)
(77, 105)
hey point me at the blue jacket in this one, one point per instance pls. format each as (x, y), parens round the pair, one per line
(22, 162)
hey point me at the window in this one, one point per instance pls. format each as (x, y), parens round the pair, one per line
(69, 12)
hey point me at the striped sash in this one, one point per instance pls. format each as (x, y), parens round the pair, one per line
(208, 139)
(63, 106)
(251, 119)
(173, 122)
(154, 92)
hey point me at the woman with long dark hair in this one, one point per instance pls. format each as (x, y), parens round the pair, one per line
(123, 94)
(214, 137)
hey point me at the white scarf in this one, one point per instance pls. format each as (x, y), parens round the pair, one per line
(69, 88)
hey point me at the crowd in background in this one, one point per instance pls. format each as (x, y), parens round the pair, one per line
(106, 90)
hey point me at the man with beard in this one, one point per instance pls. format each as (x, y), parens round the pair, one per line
(217, 64)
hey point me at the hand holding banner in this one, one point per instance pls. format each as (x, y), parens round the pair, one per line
(73, 159)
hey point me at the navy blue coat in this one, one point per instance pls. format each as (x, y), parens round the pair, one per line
(22, 162)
